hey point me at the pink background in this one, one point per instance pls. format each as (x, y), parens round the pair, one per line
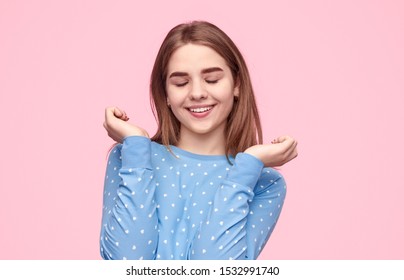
(330, 73)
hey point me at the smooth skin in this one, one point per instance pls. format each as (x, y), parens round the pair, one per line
(199, 78)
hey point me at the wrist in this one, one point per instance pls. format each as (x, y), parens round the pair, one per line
(255, 152)
(136, 132)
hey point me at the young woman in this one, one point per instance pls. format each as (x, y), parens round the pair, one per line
(202, 187)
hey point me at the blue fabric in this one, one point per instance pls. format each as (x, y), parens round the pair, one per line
(180, 205)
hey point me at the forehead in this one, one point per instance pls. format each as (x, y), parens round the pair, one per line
(192, 57)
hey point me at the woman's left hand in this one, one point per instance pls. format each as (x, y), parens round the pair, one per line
(117, 126)
(282, 150)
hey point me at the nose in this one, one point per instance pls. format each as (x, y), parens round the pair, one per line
(197, 91)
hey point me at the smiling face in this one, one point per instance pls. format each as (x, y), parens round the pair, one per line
(200, 90)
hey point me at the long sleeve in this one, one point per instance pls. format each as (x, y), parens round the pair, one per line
(246, 207)
(129, 219)
(265, 210)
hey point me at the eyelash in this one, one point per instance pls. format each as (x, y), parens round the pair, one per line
(181, 85)
(209, 82)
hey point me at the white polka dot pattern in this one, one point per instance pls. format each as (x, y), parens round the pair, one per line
(159, 206)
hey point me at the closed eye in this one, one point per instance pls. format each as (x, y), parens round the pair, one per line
(182, 84)
(212, 81)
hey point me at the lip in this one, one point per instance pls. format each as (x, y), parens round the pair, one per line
(200, 115)
(200, 106)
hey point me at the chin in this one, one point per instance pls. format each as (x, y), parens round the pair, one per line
(201, 130)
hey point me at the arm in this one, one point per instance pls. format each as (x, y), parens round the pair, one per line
(246, 208)
(223, 235)
(265, 209)
(129, 221)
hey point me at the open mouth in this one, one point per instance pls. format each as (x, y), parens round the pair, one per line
(200, 109)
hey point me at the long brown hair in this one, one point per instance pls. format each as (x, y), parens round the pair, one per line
(243, 127)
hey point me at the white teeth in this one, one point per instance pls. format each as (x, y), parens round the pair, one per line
(200, 110)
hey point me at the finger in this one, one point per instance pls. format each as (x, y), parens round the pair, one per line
(295, 152)
(287, 143)
(115, 112)
(292, 152)
(124, 116)
(284, 138)
(119, 113)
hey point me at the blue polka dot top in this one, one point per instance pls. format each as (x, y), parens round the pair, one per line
(179, 205)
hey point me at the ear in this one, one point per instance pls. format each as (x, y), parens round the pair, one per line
(236, 91)
(168, 102)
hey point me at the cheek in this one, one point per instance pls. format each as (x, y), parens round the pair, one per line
(175, 93)
(171, 95)
(223, 93)
(175, 101)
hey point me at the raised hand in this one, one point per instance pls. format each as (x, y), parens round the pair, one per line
(117, 126)
(280, 151)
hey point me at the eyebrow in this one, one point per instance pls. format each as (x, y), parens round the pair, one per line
(204, 71)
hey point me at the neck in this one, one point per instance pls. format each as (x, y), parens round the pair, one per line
(203, 144)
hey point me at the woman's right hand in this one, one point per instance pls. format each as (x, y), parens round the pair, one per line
(282, 150)
(117, 126)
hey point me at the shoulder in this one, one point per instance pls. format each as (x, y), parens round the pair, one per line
(157, 147)
(116, 150)
(159, 152)
(114, 158)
